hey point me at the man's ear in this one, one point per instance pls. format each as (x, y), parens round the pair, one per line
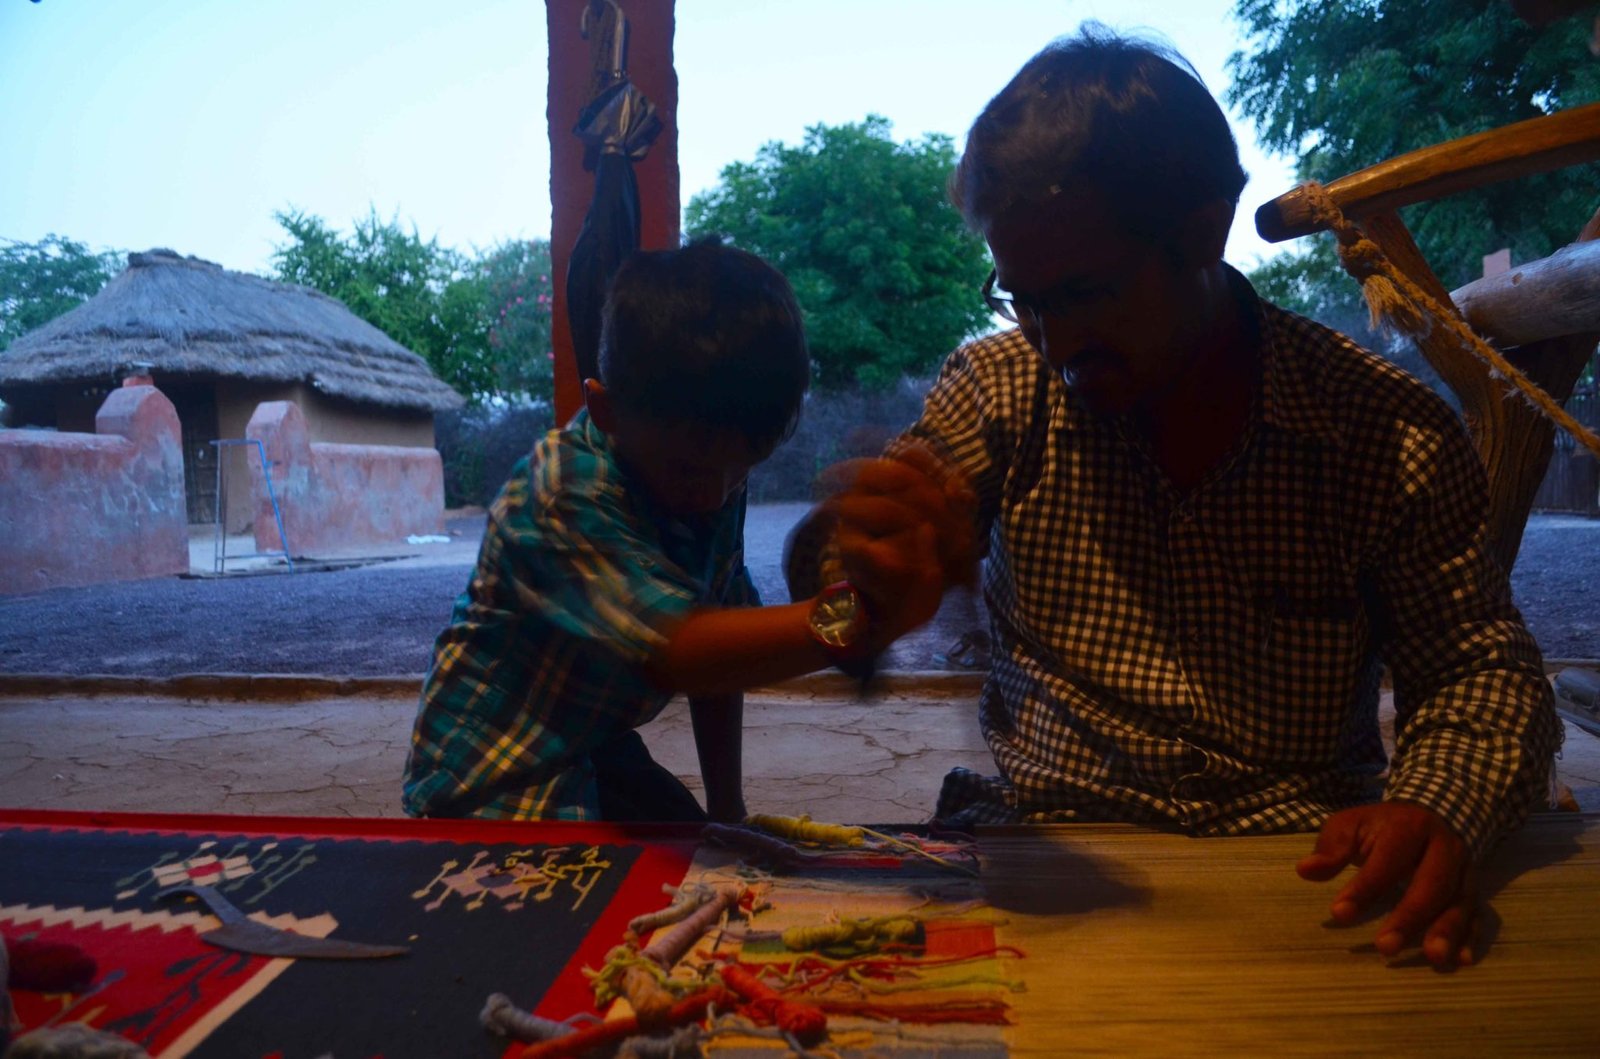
(598, 401)
(1203, 237)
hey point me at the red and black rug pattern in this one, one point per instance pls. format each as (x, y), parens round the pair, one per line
(518, 909)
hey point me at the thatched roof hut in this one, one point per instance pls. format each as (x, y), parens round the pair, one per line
(219, 343)
(188, 317)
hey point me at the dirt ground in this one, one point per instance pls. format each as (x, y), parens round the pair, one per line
(380, 618)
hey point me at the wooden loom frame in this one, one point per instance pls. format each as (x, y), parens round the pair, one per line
(1545, 315)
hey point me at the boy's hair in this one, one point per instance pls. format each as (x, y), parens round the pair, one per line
(1130, 117)
(707, 334)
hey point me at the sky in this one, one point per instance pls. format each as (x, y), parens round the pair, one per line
(131, 124)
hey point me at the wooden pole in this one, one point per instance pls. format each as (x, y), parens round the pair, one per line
(1551, 321)
(650, 68)
(1568, 137)
(1554, 296)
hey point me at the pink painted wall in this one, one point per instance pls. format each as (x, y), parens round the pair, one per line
(327, 419)
(78, 509)
(339, 497)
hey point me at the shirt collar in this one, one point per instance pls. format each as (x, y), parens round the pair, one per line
(599, 442)
(1288, 399)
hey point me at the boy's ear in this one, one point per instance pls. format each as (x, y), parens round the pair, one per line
(598, 401)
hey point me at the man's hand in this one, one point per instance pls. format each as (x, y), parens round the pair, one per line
(904, 527)
(1400, 844)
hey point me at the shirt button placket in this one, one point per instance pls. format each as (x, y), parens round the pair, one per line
(1180, 547)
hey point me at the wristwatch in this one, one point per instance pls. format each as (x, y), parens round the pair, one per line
(838, 620)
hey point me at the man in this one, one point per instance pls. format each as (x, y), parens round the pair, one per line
(1208, 522)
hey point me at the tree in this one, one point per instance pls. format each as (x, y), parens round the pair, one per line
(40, 281)
(481, 321)
(1345, 84)
(885, 272)
(408, 288)
(516, 284)
(1348, 83)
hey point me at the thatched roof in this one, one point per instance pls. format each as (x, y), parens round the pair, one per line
(185, 316)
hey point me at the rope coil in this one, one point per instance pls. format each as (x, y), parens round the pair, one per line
(1396, 300)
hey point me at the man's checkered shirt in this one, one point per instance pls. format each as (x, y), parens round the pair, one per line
(1212, 659)
(578, 576)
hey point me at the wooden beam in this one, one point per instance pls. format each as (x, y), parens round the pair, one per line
(1555, 363)
(1550, 298)
(1569, 137)
(650, 68)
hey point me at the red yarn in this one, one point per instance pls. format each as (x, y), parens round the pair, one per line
(49, 966)
(806, 1022)
(613, 1031)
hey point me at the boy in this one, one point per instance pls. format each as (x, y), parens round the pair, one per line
(612, 569)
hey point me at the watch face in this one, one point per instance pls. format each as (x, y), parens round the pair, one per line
(836, 616)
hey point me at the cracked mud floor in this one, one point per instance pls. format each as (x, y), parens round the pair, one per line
(808, 750)
(838, 759)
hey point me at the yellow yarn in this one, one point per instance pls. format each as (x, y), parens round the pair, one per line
(860, 935)
(919, 851)
(803, 829)
(928, 980)
(621, 963)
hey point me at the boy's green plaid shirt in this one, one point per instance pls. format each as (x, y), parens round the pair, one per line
(578, 576)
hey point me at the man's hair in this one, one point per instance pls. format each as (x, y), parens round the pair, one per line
(706, 334)
(1129, 117)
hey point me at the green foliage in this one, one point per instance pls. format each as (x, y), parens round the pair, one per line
(480, 443)
(1345, 84)
(480, 320)
(1309, 280)
(837, 425)
(886, 273)
(516, 283)
(40, 281)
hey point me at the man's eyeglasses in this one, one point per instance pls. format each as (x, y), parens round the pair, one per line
(1074, 296)
(1002, 305)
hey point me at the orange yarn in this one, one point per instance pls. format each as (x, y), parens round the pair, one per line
(805, 1022)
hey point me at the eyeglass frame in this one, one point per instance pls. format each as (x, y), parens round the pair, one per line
(1005, 308)
(1036, 306)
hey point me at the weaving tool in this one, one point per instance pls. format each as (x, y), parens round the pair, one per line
(240, 933)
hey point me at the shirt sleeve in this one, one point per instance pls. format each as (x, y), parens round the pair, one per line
(1476, 723)
(741, 590)
(967, 421)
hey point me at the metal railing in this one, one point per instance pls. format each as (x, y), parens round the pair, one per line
(219, 552)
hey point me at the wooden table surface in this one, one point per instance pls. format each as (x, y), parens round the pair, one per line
(1140, 942)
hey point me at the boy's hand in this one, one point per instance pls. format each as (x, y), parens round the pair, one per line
(727, 810)
(905, 531)
(888, 498)
(718, 722)
(1401, 844)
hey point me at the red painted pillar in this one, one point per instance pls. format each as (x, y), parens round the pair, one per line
(650, 25)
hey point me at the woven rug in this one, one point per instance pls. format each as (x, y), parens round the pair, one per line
(518, 909)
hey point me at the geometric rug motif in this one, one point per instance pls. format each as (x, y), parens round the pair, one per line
(481, 912)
